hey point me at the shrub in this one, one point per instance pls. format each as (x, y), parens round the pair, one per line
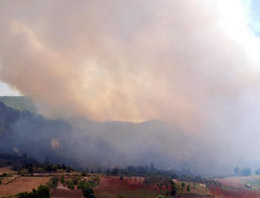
(42, 192)
(71, 185)
(53, 182)
(62, 179)
(88, 193)
(188, 188)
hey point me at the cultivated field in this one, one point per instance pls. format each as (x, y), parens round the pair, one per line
(66, 193)
(113, 187)
(234, 187)
(6, 170)
(22, 184)
(128, 187)
(134, 187)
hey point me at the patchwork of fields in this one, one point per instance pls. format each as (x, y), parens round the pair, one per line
(130, 187)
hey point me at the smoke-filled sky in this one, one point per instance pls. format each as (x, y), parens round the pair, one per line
(128, 60)
(191, 63)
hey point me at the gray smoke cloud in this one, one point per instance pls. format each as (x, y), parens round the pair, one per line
(192, 64)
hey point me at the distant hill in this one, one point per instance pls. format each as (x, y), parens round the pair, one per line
(20, 103)
(25, 132)
(85, 144)
(16, 161)
(9, 116)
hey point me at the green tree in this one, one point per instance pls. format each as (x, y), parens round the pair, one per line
(53, 182)
(173, 189)
(237, 171)
(188, 188)
(71, 185)
(43, 192)
(246, 171)
(62, 179)
(257, 172)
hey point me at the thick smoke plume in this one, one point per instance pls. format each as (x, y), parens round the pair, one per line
(189, 63)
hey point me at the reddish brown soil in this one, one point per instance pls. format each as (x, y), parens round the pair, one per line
(233, 187)
(56, 193)
(219, 191)
(112, 184)
(234, 182)
(22, 184)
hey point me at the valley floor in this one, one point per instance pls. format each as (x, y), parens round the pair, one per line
(130, 187)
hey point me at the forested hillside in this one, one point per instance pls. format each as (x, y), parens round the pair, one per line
(86, 144)
(20, 103)
(8, 116)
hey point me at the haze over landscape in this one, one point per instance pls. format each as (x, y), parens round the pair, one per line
(174, 83)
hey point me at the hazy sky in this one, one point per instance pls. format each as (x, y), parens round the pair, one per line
(5, 90)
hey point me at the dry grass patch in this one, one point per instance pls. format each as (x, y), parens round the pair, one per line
(6, 170)
(22, 184)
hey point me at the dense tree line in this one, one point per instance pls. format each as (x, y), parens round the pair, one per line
(151, 171)
(242, 172)
(159, 181)
(46, 168)
(139, 171)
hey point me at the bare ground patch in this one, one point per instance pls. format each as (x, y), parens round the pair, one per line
(22, 184)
